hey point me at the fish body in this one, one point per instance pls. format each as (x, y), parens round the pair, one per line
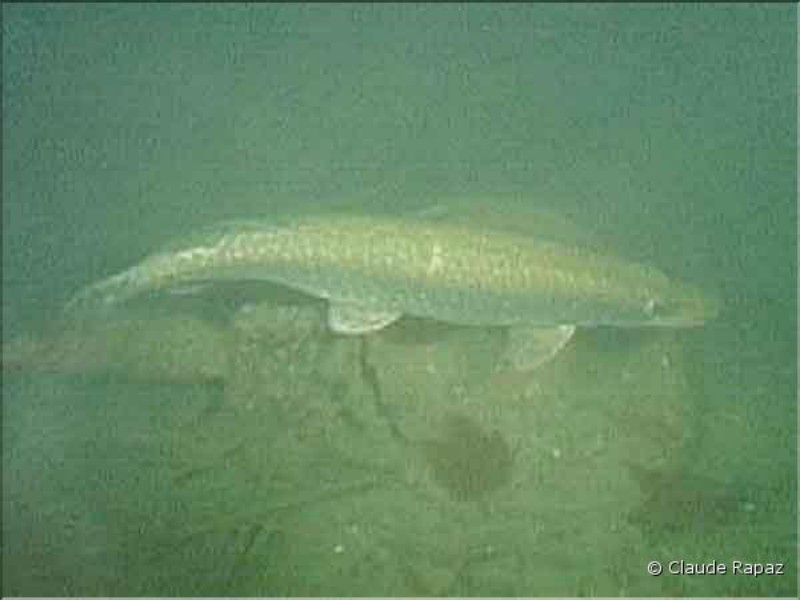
(372, 270)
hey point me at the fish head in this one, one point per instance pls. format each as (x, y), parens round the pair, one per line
(679, 305)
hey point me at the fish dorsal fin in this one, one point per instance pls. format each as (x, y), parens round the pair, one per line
(353, 319)
(513, 217)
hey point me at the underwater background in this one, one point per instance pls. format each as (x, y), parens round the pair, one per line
(400, 465)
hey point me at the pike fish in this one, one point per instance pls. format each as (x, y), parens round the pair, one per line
(374, 269)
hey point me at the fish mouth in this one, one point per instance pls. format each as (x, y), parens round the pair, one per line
(680, 322)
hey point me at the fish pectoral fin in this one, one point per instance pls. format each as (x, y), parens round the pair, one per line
(353, 319)
(529, 346)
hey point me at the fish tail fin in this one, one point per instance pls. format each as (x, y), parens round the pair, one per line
(100, 297)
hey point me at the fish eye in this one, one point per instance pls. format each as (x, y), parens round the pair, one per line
(652, 308)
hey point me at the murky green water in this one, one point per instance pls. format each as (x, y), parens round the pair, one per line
(198, 448)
